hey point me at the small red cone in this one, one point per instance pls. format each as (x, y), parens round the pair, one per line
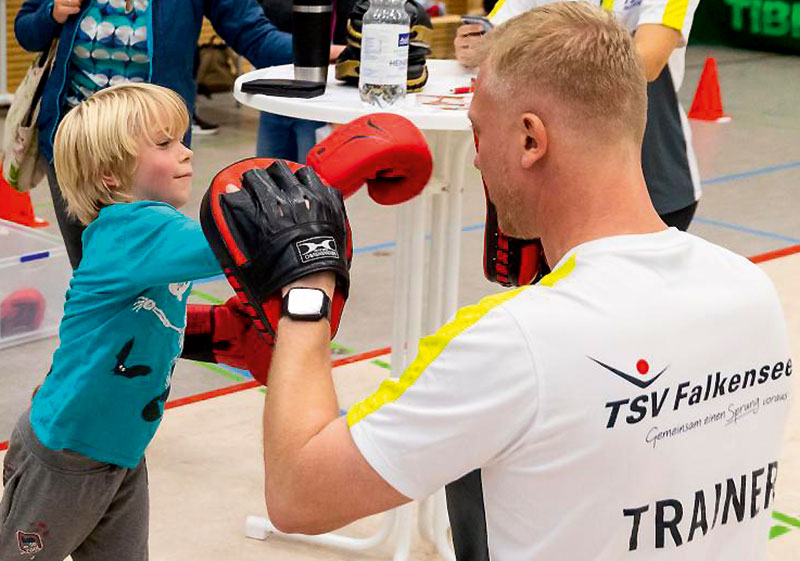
(16, 207)
(707, 104)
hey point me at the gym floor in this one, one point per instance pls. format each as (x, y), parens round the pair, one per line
(205, 473)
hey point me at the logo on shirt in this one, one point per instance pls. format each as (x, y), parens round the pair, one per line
(672, 522)
(404, 39)
(177, 289)
(649, 405)
(29, 543)
(318, 247)
(641, 366)
(149, 305)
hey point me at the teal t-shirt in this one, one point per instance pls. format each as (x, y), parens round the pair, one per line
(122, 332)
(111, 47)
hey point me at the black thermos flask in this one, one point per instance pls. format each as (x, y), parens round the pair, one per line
(311, 39)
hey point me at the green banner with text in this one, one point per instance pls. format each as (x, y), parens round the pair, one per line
(766, 25)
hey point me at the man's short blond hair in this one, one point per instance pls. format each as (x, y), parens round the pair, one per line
(577, 54)
(100, 137)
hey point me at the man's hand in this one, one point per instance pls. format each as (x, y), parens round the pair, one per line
(324, 280)
(62, 9)
(467, 39)
(271, 223)
(336, 50)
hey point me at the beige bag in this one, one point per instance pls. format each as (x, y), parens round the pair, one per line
(23, 165)
(217, 69)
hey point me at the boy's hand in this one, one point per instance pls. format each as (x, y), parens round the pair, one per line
(62, 9)
(225, 334)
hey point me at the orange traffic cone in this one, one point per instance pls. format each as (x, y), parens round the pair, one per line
(16, 206)
(707, 104)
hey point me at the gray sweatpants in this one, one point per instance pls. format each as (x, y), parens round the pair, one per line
(57, 504)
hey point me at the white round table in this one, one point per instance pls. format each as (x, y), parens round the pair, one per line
(422, 300)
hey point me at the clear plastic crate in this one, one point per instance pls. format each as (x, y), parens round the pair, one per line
(34, 274)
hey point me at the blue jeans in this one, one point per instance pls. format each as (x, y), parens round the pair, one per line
(286, 138)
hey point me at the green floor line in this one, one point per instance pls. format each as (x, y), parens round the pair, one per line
(777, 531)
(207, 297)
(381, 363)
(786, 519)
(222, 372)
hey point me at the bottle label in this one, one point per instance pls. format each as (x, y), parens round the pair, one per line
(384, 54)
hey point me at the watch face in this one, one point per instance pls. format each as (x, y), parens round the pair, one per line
(305, 302)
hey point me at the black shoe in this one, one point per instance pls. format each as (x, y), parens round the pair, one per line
(201, 127)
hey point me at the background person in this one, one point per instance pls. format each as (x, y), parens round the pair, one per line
(108, 42)
(661, 30)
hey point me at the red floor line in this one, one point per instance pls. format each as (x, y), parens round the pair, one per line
(251, 384)
(770, 255)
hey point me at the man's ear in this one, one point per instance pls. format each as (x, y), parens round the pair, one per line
(534, 139)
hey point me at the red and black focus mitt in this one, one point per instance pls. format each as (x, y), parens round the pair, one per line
(225, 334)
(385, 151)
(509, 261)
(271, 222)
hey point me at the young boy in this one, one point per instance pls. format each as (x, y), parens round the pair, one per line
(75, 475)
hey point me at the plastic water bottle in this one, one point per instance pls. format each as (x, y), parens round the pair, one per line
(384, 52)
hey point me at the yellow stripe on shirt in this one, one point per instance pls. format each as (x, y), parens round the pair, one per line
(429, 349)
(432, 346)
(496, 9)
(608, 5)
(675, 14)
(559, 274)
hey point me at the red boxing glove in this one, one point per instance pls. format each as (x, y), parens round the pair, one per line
(22, 311)
(385, 151)
(225, 334)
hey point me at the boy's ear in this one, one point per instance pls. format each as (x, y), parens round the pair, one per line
(109, 180)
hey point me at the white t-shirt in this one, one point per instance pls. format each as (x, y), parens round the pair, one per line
(629, 406)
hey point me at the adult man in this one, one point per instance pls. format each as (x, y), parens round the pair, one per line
(594, 415)
(661, 30)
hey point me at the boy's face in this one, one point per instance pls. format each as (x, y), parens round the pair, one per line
(163, 171)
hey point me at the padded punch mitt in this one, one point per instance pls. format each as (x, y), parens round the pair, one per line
(271, 222)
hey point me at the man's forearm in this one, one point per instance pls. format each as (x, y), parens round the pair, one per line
(301, 401)
(655, 43)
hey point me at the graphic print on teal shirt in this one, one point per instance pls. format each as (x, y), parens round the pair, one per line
(110, 48)
(122, 332)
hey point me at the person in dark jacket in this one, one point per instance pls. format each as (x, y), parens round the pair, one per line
(106, 42)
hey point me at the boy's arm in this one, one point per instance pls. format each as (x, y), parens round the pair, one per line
(164, 247)
(243, 25)
(34, 26)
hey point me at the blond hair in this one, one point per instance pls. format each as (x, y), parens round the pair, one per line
(99, 139)
(577, 54)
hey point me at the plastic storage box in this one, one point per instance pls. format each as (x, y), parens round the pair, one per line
(34, 274)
